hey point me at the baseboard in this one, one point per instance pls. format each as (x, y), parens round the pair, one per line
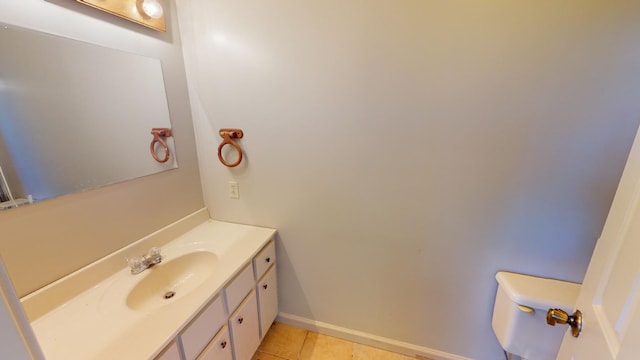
(366, 339)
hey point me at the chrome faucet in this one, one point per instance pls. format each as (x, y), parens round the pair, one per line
(141, 263)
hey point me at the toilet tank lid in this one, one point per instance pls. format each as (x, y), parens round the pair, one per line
(539, 293)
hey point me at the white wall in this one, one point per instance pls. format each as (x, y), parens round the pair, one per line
(42, 242)
(408, 150)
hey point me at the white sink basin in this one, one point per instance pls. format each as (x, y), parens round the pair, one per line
(163, 283)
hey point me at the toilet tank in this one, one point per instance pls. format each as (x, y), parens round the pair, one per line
(520, 314)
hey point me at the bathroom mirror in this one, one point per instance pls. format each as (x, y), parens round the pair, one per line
(75, 116)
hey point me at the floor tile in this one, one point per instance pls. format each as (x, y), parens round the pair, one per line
(283, 341)
(263, 356)
(362, 352)
(322, 347)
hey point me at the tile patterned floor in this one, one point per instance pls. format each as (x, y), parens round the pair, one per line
(284, 342)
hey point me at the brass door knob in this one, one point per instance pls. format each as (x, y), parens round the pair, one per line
(557, 316)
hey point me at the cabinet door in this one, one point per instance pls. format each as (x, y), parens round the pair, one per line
(245, 334)
(267, 289)
(219, 348)
(171, 352)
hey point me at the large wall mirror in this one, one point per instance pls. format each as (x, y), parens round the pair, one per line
(75, 116)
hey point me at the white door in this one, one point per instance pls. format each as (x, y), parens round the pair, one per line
(610, 294)
(17, 340)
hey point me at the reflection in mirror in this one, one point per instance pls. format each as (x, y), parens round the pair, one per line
(74, 116)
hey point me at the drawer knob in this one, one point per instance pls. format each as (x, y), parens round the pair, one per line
(265, 286)
(223, 344)
(268, 259)
(240, 320)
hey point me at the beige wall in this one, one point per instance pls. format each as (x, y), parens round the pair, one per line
(408, 149)
(45, 241)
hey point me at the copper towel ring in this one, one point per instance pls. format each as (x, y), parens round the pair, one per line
(227, 138)
(158, 135)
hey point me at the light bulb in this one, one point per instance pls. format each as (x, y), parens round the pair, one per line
(152, 9)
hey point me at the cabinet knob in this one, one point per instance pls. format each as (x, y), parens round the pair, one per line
(240, 320)
(268, 259)
(223, 344)
(265, 286)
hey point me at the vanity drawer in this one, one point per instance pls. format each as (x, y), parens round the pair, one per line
(171, 352)
(219, 348)
(264, 259)
(203, 328)
(239, 287)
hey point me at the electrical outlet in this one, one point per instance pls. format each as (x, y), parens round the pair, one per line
(234, 192)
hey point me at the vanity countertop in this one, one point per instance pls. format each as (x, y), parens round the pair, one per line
(98, 324)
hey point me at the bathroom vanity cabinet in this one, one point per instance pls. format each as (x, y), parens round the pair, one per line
(232, 325)
(221, 278)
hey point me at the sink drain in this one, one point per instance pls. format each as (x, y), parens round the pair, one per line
(169, 294)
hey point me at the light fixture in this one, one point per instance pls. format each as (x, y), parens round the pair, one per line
(145, 12)
(152, 8)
